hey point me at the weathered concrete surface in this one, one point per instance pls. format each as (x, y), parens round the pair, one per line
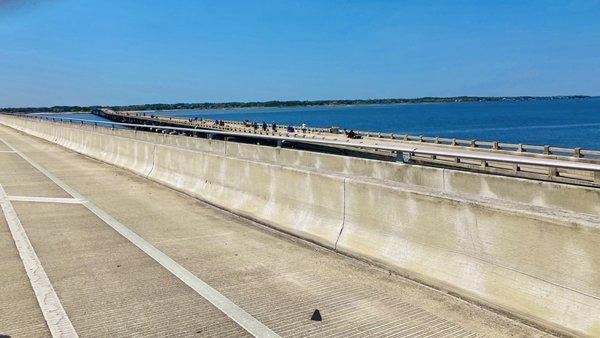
(19, 178)
(107, 286)
(537, 268)
(277, 279)
(530, 192)
(536, 262)
(311, 209)
(20, 314)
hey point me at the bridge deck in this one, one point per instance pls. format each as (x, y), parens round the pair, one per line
(500, 161)
(109, 286)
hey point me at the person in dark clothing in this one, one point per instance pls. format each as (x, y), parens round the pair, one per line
(274, 126)
(264, 126)
(351, 134)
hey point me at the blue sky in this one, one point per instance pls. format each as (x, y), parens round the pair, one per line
(82, 52)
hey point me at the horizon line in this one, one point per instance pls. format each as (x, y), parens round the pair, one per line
(424, 99)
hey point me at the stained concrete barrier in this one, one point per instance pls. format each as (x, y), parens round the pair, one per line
(544, 269)
(302, 203)
(535, 262)
(529, 192)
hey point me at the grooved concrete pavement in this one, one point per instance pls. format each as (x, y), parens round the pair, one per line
(20, 315)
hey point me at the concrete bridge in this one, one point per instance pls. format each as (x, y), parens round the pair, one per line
(117, 232)
(516, 160)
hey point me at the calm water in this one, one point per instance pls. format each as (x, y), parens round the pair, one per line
(566, 123)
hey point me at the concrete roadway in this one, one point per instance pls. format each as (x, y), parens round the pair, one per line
(126, 256)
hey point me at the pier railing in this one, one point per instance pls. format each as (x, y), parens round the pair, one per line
(494, 146)
(543, 168)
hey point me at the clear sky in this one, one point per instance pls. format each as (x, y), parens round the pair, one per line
(83, 52)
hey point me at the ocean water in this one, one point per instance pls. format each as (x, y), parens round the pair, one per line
(563, 123)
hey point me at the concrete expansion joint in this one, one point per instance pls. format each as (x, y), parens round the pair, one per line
(153, 163)
(59, 200)
(335, 247)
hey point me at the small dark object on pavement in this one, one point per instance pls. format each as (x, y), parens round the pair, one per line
(316, 316)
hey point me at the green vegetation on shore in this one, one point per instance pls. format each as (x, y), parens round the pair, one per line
(276, 104)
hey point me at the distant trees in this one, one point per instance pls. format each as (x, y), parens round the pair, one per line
(273, 104)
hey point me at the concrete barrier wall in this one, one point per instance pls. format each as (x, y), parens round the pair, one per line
(542, 266)
(300, 202)
(529, 192)
(538, 268)
(303, 203)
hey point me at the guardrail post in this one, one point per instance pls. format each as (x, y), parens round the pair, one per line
(577, 152)
(402, 157)
(547, 150)
(495, 145)
(520, 148)
(552, 172)
(474, 143)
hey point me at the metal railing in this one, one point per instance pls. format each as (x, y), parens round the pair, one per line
(403, 153)
(494, 146)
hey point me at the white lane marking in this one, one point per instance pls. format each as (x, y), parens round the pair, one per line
(7, 151)
(56, 318)
(237, 314)
(44, 199)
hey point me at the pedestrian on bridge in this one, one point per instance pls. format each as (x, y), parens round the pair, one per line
(264, 126)
(274, 126)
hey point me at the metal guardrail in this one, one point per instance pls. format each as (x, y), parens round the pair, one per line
(487, 145)
(403, 153)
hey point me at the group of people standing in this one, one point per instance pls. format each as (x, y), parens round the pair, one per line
(289, 128)
(265, 127)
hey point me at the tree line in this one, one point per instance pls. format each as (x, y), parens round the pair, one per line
(281, 104)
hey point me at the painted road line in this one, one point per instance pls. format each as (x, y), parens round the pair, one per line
(230, 309)
(45, 199)
(56, 318)
(7, 151)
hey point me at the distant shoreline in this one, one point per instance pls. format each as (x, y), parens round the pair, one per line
(291, 104)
